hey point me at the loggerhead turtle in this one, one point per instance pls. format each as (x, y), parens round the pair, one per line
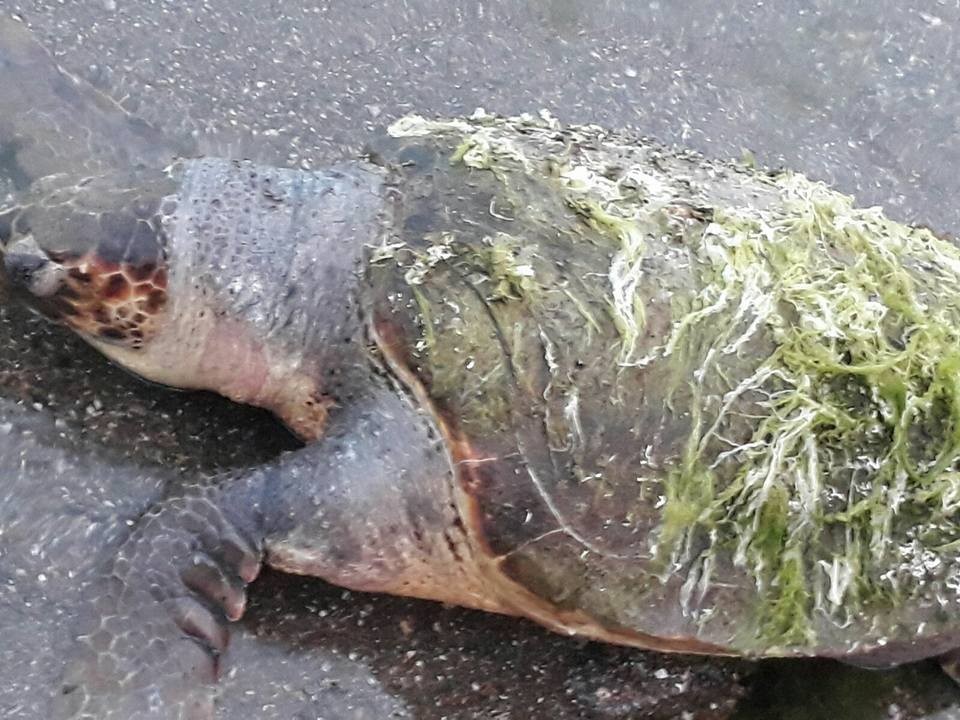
(558, 372)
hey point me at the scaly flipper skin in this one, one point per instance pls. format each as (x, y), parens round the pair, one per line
(149, 645)
(52, 124)
(362, 504)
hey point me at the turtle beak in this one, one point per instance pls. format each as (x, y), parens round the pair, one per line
(22, 268)
(25, 266)
(28, 268)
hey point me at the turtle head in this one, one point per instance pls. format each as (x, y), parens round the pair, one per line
(211, 274)
(91, 254)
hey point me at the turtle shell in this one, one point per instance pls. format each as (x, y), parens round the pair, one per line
(692, 406)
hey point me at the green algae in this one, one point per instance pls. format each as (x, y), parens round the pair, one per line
(506, 262)
(592, 324)
(474, 152)
(454, 336)
(626, 306)
(602, 203)
(785, 620)
(836, 288)
(828, 331)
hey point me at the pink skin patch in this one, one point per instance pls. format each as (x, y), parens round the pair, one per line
(238, 367)
(123, 305)
(238, 363)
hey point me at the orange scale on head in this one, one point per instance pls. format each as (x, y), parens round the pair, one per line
(140, 273)
(115, 288)
(141, 290)
(79, 275)
(100, 314)
(114, 301)
(101, 267)
(155, 300)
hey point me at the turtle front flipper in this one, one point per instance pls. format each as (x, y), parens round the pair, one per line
(369, 507)
(154, 625)
(52, 123)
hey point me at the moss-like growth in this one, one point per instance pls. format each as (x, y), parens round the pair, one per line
(786, 619)
(626, 305)
(865, 316)
(507, 265)
(807, 355)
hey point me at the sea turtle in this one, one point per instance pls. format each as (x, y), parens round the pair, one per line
(559, 372)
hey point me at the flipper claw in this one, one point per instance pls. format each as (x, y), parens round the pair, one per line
(160, 613)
